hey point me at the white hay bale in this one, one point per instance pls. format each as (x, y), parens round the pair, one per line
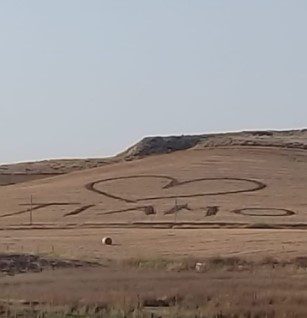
(107, 241)
(200, 267)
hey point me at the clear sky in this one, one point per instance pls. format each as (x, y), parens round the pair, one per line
(81, 78)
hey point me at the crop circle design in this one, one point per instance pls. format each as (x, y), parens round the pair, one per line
(262, 212)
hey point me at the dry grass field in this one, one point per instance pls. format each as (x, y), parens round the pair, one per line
(248, 202)
(85, 244)
(261, 292)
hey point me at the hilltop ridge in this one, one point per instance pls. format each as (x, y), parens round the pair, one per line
(159, 145)
(156, 145)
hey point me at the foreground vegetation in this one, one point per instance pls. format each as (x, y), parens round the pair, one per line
(227, 288)
(175, 312)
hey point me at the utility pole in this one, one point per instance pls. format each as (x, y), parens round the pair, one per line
(31, 208)
(176, 207)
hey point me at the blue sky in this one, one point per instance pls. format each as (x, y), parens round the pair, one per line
(89, 78)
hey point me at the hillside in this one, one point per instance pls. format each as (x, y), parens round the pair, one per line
(256, 169)
(293, 139)
(233, 188)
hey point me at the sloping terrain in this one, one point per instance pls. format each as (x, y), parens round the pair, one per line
(159, 145)
(21, 172)
(246, 185)
(27, 171)
(241, 189)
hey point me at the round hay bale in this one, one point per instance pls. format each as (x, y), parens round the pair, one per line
(107, 241)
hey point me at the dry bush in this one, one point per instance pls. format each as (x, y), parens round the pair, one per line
(226, 262)
(301, 261)
(180, 264)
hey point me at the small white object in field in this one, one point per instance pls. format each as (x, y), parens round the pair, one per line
(107, 241)
(200, 267)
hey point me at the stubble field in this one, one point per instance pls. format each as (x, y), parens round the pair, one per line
(248, 203)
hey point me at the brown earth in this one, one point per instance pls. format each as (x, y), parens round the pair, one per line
(249, 188)
(229, 195)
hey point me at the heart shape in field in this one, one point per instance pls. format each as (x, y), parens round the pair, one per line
(156, 187)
